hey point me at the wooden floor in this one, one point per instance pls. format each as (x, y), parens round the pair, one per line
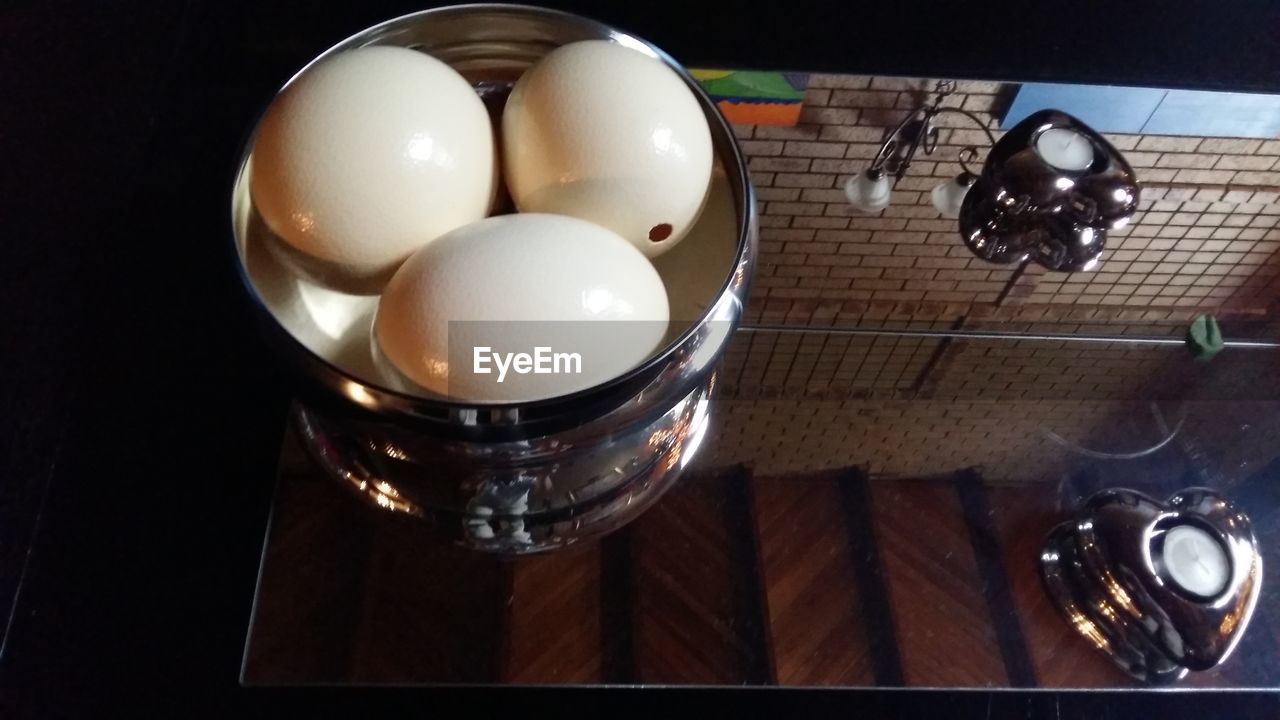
(829, 580)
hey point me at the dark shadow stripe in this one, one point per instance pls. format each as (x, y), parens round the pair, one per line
(877, 611)
(617, 608)
(1006, 623)
(751, 606)
(936, 357)
(503, 669)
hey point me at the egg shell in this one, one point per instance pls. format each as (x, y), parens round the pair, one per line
(514, 283)
(603, 132)
(369, 155)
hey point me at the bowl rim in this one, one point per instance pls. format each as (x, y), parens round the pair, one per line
(375, 396)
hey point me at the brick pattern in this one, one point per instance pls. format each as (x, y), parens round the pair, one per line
(1056, 370)
(767, 364)
(1206, 239)
(1006, 440)
(909, 438)
(781, 364)
(804, 402)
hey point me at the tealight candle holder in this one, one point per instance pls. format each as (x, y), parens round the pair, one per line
(1162, 588)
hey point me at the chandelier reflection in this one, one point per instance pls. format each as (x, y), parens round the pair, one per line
(1048, 192)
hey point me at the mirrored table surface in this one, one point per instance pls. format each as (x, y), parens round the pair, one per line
(867, 509)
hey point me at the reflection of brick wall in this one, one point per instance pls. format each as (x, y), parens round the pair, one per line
(838, 366)
(807, 402)
(1207, 239)
(1006, 439)
(825, 364)
(904, 438)
(1058, 370)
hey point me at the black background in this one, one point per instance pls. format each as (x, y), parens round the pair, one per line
(140, 418)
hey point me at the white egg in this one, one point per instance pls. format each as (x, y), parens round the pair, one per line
(366, 157)
(460, 312)
(606, 133)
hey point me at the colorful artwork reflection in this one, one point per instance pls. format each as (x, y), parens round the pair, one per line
(751, 97)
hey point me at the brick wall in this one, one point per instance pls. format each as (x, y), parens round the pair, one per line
(1206, 239)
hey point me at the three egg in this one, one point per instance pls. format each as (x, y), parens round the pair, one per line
(510, 284)
(377, 169)
(368, 156)
(610, 135)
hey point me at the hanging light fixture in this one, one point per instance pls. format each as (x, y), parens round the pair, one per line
(948, 197)
(869, 191)
(1048, 192)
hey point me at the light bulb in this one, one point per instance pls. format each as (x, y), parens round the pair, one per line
(949, 196)
(868, 191)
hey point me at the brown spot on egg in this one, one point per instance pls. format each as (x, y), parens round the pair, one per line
(660, 232)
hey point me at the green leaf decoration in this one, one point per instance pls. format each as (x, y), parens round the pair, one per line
(1204, 337)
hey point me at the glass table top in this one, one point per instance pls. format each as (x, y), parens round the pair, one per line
(867, 509)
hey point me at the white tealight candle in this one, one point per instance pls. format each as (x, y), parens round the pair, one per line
(1195, 560)
(1065, 149)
